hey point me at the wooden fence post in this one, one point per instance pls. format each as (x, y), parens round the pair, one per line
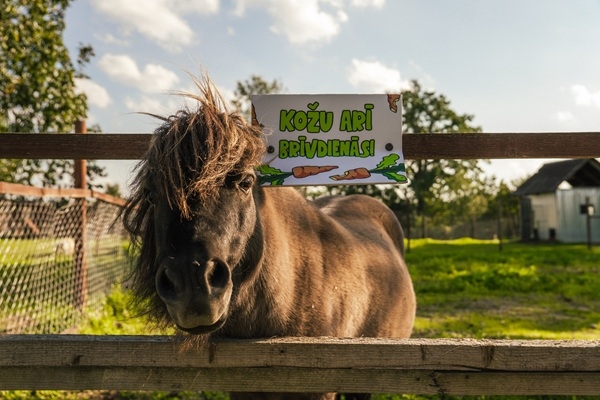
(80, 274)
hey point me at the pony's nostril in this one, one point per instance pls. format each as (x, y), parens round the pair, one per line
(165, 286)
(219, 275)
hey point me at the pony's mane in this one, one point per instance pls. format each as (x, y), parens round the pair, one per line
(190, 156)
(194, 151)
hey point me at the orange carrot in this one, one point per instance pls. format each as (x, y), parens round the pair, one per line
(309, 170)
(357, 173)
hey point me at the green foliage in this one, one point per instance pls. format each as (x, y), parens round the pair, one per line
(439, 184)
(36, 72)
(117, 316)
(271, 175)
(444, 189)
(255, 85)
(37, 85)
(391, 168)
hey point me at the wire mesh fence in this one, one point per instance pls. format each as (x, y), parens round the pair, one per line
(59, 256)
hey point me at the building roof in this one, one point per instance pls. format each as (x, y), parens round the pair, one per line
(583, 172)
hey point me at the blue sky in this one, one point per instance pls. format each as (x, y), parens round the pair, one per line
(517, 66)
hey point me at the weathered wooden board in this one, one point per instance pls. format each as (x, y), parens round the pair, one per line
(415, 146)
(288, 379)
(420, 366)
(24, 190)
(166, 351)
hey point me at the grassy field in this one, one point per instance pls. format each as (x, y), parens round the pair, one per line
(469, 288)
(465, 288)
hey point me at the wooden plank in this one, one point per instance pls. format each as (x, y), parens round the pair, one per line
(382, 380)
(166, 351)
(24, 190)
(415, 146)
(103, 146)
(501, 145)
(419, 366)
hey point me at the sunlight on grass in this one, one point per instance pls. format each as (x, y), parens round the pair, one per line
(117, 316)
(468, 288)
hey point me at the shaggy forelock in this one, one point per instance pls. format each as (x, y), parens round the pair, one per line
(194, 151)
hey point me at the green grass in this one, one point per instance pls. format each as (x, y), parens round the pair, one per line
(468, 288)
(117, 316)
(465, 288)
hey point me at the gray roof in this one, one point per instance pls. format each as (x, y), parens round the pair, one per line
(583, 172)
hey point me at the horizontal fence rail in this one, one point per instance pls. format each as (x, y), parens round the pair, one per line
(415, 146)
(23, 190)
(423, 366)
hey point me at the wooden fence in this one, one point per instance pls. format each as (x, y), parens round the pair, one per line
(419, 366)
(425, 366)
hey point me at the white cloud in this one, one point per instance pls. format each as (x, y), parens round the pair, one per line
(368, 3)
(303, 21)
(96, 94)
(167, 104)
(565, 116)
(306, 21)
(153, 78)
(202, 7)
(159, 20)
(584, 97)
(145, 104)
(109, 38)
(375, 77)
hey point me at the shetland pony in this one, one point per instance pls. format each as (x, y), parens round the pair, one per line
(221, 256)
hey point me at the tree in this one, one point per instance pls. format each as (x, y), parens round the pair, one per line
(255, 85)
(37, 84)
(506, 205)
(430, 112)
(436, 186)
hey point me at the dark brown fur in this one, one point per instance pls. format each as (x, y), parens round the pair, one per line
(219, 255)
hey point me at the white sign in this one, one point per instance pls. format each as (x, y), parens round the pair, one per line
(330, 139)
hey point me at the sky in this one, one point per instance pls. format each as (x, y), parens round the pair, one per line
(515, 65)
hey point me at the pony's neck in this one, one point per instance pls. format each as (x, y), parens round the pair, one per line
(264, 301)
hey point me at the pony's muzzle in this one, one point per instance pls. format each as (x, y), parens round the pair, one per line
(197, 295)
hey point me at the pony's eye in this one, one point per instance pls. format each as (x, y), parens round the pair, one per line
(246, 183)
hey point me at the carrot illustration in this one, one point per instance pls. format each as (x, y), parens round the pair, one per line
(309, 170)
(255, 120)
(356, 173)
(276, 177)
(393, 102)
(390, 167)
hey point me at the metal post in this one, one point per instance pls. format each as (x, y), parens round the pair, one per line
(499, 224)
(588, 222)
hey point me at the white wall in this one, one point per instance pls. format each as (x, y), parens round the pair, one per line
(544, 214)
(572, 223)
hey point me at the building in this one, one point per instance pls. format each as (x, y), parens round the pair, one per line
(555, 202)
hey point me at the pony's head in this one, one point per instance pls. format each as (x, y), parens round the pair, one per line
(192, 213)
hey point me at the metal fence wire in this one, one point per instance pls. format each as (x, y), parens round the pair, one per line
(59, 257)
